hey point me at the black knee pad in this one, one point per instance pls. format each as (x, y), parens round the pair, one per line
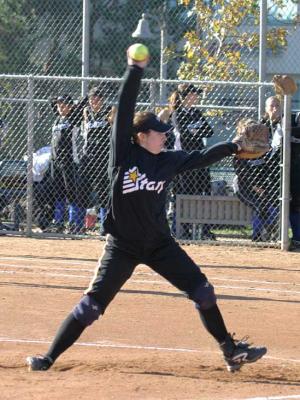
(204, 296)
(87, 310)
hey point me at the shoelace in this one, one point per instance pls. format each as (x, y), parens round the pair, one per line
(243, 340)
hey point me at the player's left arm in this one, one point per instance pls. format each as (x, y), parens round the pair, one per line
(203, 158)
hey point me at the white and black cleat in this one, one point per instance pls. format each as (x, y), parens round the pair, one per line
(39, 363)
(237, 353)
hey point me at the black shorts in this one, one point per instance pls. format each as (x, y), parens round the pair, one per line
(119, 260)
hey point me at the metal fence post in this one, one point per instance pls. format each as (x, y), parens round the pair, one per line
(163, 64)
(286, 168)
(153, 95)
(262, 56)
(30, 129)
(85, 45)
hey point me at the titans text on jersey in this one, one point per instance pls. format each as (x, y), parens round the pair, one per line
(134, 181)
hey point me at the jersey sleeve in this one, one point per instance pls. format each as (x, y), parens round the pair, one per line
(123, 123)
(203, 158)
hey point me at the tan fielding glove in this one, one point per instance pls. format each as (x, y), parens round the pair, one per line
(252, 138)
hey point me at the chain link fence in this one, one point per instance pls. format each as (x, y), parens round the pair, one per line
(53, 175)
(48, 44)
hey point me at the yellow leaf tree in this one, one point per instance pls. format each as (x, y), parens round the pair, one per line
(224, 39)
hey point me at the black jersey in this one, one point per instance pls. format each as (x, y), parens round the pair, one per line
(94, 163)
(64, 132)
(295, 160)
(192, 127)
(139, 179)
(97, 134)
(295, 139)
(295, 153)
(259, 178)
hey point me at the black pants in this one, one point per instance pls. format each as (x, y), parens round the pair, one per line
(119, 260)
(64, 182)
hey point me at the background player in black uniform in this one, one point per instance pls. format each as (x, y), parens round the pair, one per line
(294, 181)
(94, 163)
(190, 131)
(273, 119)
(64, 161)
(258, 186)
(137, 228)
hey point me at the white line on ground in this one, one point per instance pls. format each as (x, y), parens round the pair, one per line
(133, 347)
(257, 289)
(108, 344)
(45, 261)
(45, 274)
(157, 282)
(296, 396)
(49, 261)
(36, 267)
(222, 286)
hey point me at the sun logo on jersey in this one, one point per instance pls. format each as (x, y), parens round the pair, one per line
(134, 180)
(133, 174)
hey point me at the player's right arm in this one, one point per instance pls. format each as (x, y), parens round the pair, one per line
(123, 122)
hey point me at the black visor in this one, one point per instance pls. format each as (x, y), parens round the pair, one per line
(65, 98)
(96, 92)
(154, 123)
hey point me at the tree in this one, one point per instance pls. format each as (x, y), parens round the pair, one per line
(40, 37)
(13, 30)
(223, 37)
(112, 23)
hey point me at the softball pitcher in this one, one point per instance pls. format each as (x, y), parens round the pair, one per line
(137, 229)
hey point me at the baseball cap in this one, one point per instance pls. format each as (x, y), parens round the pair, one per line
(96, 91)
(184, 89)
(65, 98)
(151, 121)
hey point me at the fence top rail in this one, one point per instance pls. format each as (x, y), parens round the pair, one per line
(141, 104)
(152, 80)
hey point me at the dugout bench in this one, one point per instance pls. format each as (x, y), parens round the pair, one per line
(212, 210)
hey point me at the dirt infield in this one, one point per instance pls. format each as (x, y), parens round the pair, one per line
(150, 343)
